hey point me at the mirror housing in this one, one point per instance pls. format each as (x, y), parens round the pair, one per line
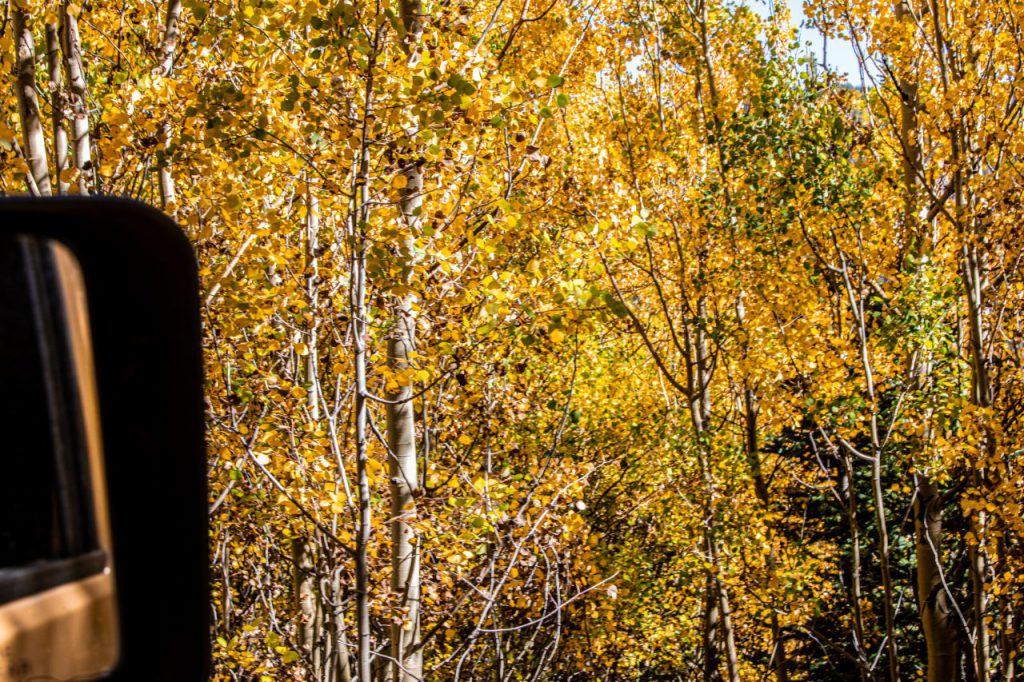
(142, 299)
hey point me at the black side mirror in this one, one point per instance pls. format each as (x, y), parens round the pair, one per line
(103, 505)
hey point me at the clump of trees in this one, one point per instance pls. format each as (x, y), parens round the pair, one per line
(578, 340)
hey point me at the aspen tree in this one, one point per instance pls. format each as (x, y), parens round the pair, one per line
(168, 53)
(702, 380)
(406, 648)
(33, 138)
(359, 214)
(60, 134)
(74, 75)
(937, 617)
(309, 589)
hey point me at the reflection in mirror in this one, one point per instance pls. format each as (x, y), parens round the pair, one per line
(57, 604)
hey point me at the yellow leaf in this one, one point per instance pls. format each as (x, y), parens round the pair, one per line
(557, 336)
(399, 182)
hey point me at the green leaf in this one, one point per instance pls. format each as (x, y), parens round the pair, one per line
(461, 85)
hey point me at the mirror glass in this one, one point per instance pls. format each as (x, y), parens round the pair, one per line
(57, 600)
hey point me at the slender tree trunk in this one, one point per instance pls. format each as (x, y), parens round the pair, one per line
(406, 652)
(34, 142)
(935, 609)
(937, 616)
(719, 616)
(172, 32)
(731, 658)
(364, 524)
(312, 601)
(857, 310)
(982, 397)
(883, 563)
(978, 565)
(312, 246)
(74, 74)
(711, 627)
(778, 660)
(910, 150)
(1008, 650)
(60, 133)
(405, 580)
(307, 601)
(168, 52)
(359, 218)
(168, 193)
(848, 496)
(753, 453)
(343, 667)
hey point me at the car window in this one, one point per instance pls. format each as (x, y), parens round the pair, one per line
(45, 500)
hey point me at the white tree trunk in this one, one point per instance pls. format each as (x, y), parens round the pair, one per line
(74, 73)
(28, 104)
(60, 133)
(406, 650)
(168, 52)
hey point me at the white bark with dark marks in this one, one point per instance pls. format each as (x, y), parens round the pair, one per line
(406, 649)
(57, 98)
(33, 139)
(168, 53)
(74, 73)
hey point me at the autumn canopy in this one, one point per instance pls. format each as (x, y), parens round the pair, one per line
(579, 339)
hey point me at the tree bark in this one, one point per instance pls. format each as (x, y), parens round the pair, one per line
(316, 645)
(711, 618)
(168, 52)
(701, 387)
(406, 652)
(343, 667)
(700, 415)
(359, 218)
(307, 602)
(172, 31)
(28, 103)
(312, 275)
(982, 397)
(74, 73)
(365, 644)
(405, 579)
(57, 97)
(848, 497)
(937, 615)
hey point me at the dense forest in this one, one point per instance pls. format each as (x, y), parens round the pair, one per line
(578, 339)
